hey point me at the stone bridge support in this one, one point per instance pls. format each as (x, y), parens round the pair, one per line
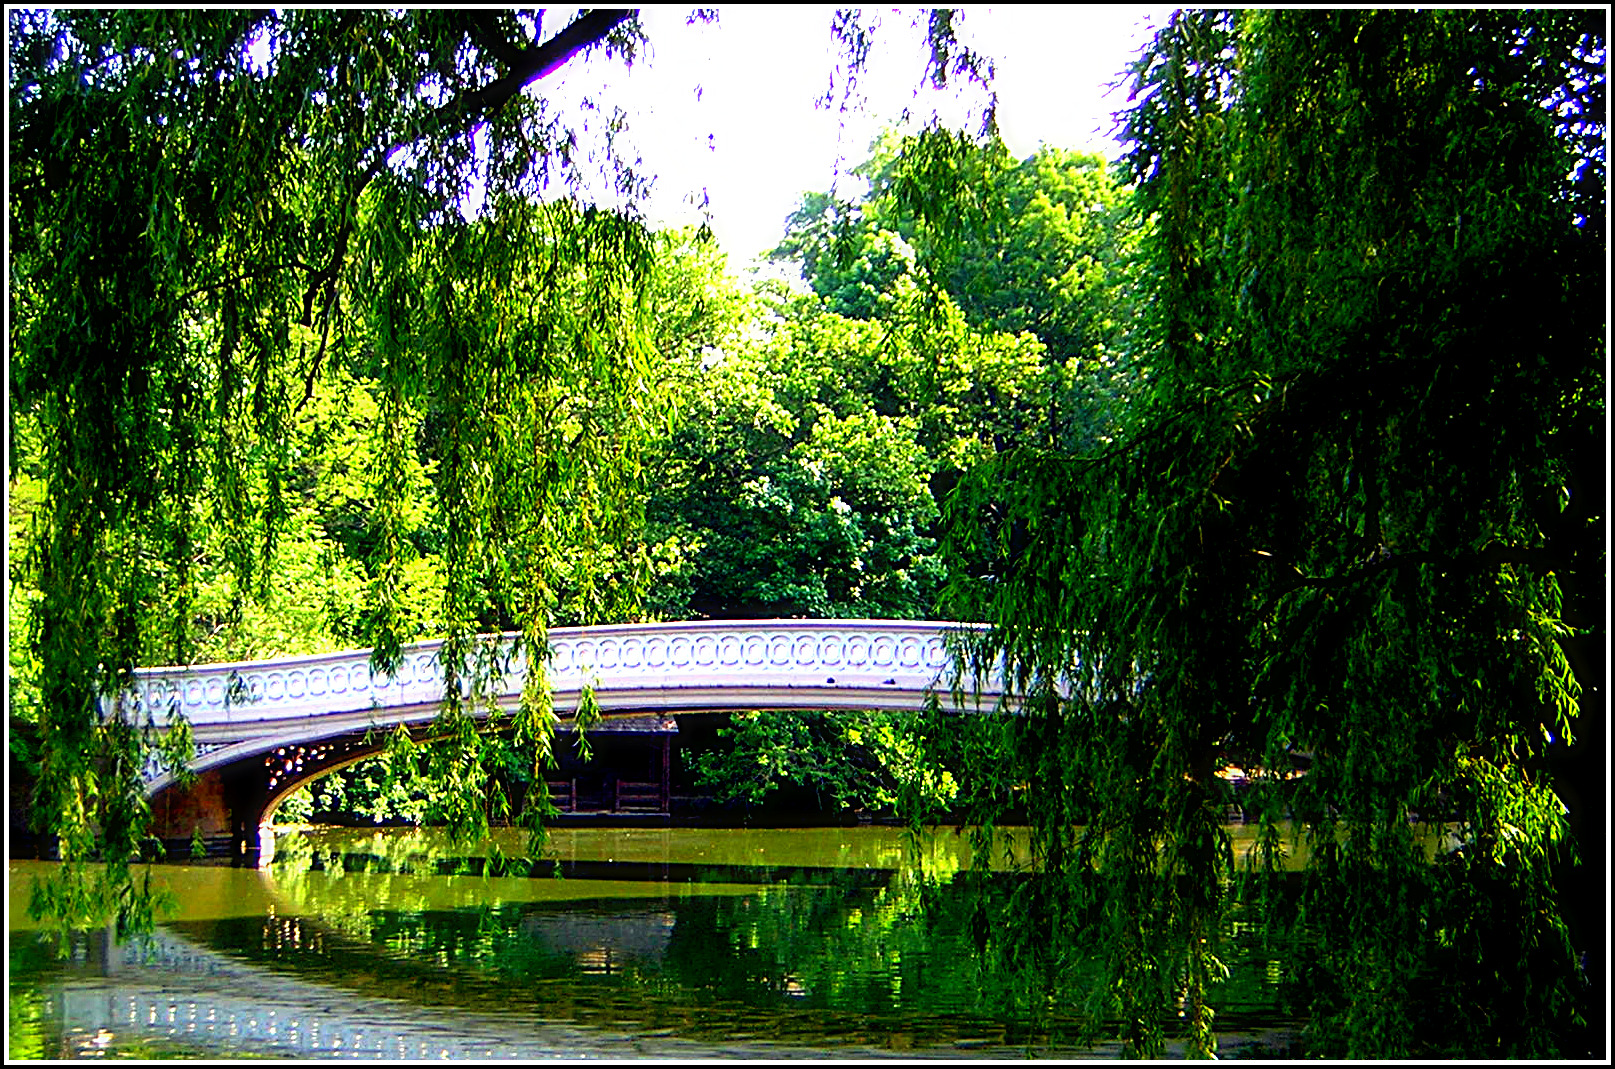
(221, 808)
(230, 807)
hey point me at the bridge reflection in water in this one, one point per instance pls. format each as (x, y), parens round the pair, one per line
(181, 1000)
(698, 944)
(173, 990)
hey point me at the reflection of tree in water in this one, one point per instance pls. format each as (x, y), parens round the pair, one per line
(915, 949)
(830, 955)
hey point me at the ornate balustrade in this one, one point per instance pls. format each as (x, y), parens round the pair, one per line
(630, 667)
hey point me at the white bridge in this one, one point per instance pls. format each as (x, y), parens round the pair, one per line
(252, 707)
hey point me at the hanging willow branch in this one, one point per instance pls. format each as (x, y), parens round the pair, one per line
(193, 188)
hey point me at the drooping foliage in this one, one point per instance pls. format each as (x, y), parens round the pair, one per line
(210, 210)
(1349, 537)
(250, 248)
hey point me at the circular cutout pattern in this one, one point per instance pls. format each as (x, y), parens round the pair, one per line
(717, 655)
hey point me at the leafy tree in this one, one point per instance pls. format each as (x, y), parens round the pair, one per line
(849, 759)
(213, 214)
(1043, 248)
(804, 463)
(1046, 253)
(206, 208)
(1351, 527)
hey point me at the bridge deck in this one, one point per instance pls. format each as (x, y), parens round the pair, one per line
(241, 708)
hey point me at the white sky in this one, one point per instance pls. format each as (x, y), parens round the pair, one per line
(729, 108)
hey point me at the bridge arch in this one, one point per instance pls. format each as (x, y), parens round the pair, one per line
(289, 767)
(259, 726)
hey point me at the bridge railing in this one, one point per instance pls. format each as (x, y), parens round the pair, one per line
(671, 665)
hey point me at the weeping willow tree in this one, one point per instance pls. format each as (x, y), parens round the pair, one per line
(1348, 535)
(209, 209)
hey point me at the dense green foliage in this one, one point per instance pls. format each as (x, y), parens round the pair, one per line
(850, 761)
(1338, 530)
(1287, 454)
(801, 473)
(214, 216)
(1044, 249)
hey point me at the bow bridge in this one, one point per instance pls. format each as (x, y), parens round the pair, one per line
(263, 728)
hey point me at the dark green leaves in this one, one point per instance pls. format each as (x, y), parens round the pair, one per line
(1364, 345)
(218, 216)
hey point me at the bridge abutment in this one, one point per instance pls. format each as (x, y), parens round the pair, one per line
(222, 809)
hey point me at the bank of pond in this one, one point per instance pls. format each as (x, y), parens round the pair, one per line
(617, 942)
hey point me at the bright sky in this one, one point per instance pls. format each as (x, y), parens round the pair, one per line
(729, 108)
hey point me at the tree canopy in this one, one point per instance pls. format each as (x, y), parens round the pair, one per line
(1349, 536)
(210, 212)
(1278, 448)
(1045, 250)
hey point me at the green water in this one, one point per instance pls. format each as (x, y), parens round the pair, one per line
(662, 943)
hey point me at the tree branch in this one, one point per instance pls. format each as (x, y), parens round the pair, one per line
(1493, 556)
(482, 26)
(255, 272)
(465, 111)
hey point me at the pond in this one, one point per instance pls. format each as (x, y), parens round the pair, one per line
(626, 943)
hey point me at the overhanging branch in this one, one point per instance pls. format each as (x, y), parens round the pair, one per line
(466, 110)
(1493, 556)
(527, 65)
